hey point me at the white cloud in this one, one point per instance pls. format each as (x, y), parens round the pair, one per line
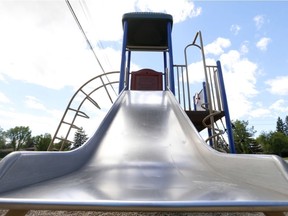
(39, 124)
(1, 77)
(34, 103)
(279, 106)
(240, 82)
(197, 70)
(244, 47)
(216, 47)
(235, 29)
(91, 14)
(259, 112)
(240, 76)
(180, 9)
(4, 99)
(53, 55)
(259, 21)
(51, 51)
(278, 85)
(263, 43)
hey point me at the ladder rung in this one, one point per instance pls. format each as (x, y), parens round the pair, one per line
(91, 100)
(79, 113)
(65, 140)
(72, 125)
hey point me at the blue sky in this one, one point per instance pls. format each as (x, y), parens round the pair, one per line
(44, 57)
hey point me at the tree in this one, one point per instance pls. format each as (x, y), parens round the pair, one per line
(18, 136)
(286, 126)
(41, 142)
(264, 140)
(62, 145)
(279, 143)
(79, 138)
(274, 143)
(255, 147)
(280, 126)
(2, 139)
(242, 135)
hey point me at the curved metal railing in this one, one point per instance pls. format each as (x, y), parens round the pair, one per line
(73, 110)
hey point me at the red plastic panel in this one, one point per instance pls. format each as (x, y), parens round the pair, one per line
(146, 79)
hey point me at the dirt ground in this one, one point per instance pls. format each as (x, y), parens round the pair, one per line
(93, 213)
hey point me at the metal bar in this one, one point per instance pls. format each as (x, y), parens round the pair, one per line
(188, 88)
(210, 108)
(194, 103)
(183, 88)
(178, 85)
(91, 100)
(50, 147)
(226, 109)
(186, 65)
(195, 38)
(165, 69)
(123, 59)
(217, 88)
(79, 113)
(65, 140)
(212, 89)
(64, 122)
(206, 103)
(79, 107)
(103, 84)
(171, 72)
(127, 72)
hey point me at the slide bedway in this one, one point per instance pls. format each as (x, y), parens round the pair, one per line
(147, 154)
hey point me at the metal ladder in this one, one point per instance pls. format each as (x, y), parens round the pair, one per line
(73, 109)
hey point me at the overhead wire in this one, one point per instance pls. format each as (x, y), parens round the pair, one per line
(84, 34)
(87, 14)
(89, 44)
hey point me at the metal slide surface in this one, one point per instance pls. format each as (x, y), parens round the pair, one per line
(146, 155)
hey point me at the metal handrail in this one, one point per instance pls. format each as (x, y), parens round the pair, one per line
(214, 102)
(77, 110)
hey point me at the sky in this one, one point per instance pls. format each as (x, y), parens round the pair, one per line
(44, 57)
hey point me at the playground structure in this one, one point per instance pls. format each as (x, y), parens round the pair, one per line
(204, 111)
(147, 154)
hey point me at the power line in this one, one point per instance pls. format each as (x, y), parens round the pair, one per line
(84, 34)
(90, 46)
(87, 14)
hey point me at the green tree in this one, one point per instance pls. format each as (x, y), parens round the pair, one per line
(2, 139)
(280, 126)
(18, 136)
(264, 140)
(79, 138)
(41, 142)
(274, 142)
(243, 136)
(286, 126)
(62, 145)
(279, 143)
(255, 147)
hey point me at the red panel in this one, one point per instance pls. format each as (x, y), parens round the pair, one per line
(146, 79)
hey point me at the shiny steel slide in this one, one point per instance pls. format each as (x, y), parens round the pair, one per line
(146, 155)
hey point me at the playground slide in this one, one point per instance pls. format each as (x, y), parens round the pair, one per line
(146, 155)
